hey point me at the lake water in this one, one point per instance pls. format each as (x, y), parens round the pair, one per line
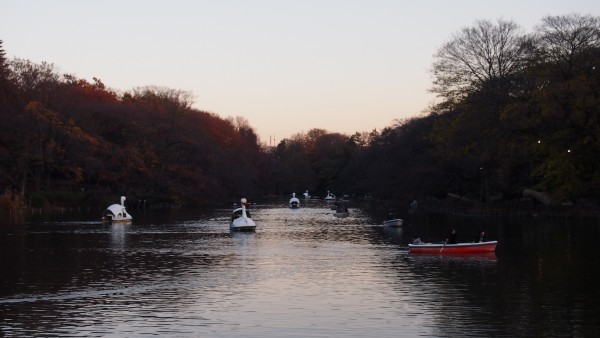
(302, 273)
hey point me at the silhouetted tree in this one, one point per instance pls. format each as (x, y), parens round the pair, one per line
(477, 57)
(566, 41)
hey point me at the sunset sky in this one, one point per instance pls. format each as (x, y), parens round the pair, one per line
(287, 66)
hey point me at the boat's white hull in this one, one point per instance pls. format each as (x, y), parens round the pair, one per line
(242, 224)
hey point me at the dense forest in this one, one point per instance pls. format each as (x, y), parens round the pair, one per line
(518, 120)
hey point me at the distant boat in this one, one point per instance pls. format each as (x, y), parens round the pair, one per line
(396, 222)
(241, 220)
(459, 248)
(294, 202)
(306, 195)
(330, 196)
(341, 210)
(116, 213)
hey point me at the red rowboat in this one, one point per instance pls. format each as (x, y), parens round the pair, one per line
(459, 248)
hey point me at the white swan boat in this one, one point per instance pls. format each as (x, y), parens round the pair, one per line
(241, 220)
(330, 196)
(294, 202)
(116, 213)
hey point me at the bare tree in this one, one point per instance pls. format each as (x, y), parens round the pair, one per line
(565, 39)
(477, 55)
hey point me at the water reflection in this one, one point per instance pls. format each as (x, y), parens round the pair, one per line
(118, 232)
(393, 231)
(301, 273)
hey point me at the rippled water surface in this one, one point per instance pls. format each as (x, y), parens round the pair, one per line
(303, 273)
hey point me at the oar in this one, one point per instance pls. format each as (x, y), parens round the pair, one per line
(443, 246)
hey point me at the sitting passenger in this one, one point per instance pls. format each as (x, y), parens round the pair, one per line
(481, 237)
(452, 238)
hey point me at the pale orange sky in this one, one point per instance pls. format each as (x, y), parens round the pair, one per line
(287, 66)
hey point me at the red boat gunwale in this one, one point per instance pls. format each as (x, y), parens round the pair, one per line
(459, 248)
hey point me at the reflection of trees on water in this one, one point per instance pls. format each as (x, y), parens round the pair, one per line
(12, 220)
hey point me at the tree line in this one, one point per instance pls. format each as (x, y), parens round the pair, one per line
(518, 119)
(65, 136)
(517, 112)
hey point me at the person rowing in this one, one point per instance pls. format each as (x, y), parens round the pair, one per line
(452, 237)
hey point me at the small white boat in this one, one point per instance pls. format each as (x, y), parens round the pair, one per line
(241, 220)
(330, 196)
(306, 195)
(116, 213)
(294, 202)
(396, 222)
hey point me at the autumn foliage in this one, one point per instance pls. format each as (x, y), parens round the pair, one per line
(517, 112)
(61, 133)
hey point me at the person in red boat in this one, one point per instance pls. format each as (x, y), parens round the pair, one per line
(452, 237)
(481, 237)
